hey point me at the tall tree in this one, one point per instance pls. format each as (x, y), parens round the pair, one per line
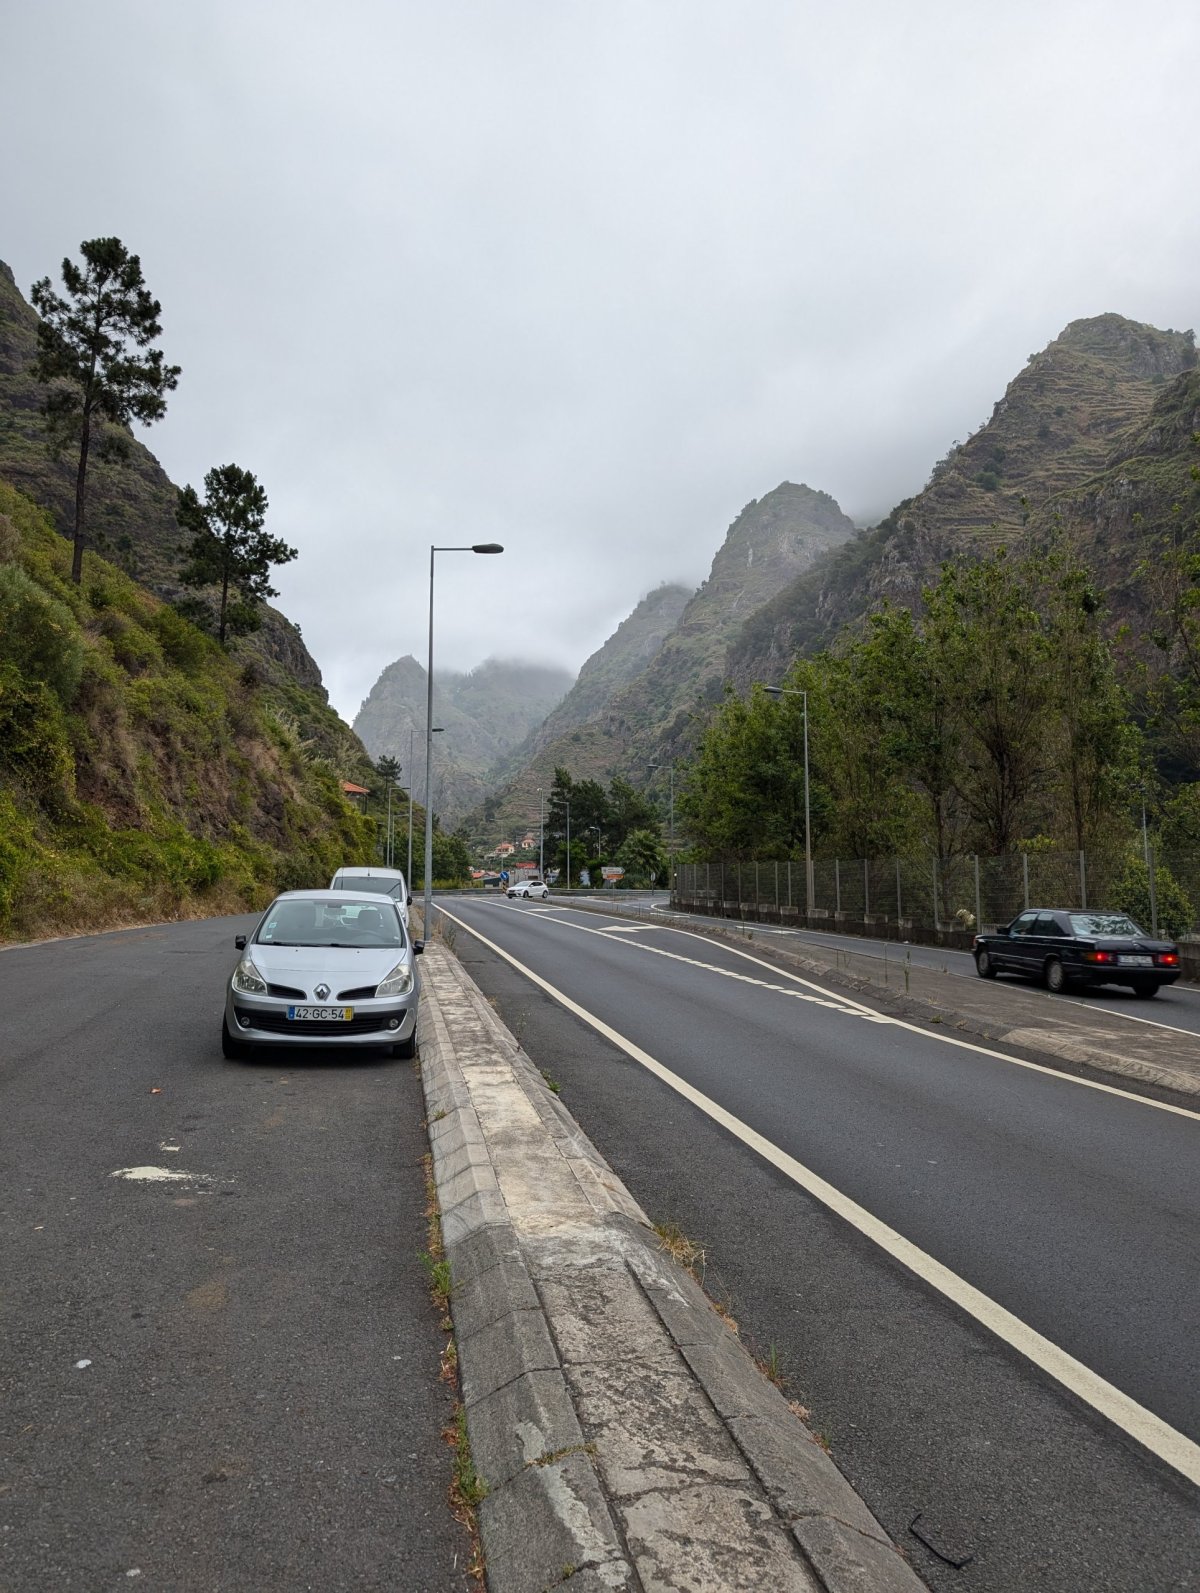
(94, 350)
(229, 548)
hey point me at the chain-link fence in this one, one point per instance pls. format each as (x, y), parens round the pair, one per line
(910, 898)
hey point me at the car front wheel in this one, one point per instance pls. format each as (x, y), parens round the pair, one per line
(232, 1050)
(983, 965)
(1056, 977)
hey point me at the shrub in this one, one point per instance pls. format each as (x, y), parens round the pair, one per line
(1132, 895)
(38, 634)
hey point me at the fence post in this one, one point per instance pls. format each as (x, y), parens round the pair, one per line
(936, 922)
(708, 882)
(978, 904)
(777, 887)
(789, 884)
(837, 884)
(899, 908)
(757, 889)
(1025, 874)
(866, 890)
(1150, 874)
(1082, 882)
(741, 914)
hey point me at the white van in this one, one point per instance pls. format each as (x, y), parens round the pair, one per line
(375, 881)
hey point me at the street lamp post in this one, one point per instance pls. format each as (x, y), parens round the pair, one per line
(408, 875)
(788, 691)
(427, 908)
(568, 807)
(541, 835)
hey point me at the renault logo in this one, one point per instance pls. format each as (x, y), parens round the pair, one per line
(321, 992)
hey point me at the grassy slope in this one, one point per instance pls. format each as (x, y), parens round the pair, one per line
(143, 773)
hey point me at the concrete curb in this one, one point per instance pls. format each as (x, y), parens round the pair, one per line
(627, 1438)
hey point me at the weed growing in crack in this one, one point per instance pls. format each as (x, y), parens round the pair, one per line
(551, 1084)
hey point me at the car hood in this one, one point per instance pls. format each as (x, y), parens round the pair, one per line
(348, 965)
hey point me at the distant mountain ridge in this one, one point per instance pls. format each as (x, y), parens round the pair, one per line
(1056, 428)
(647, 718)
(483, 714)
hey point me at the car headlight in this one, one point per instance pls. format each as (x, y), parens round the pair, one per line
(248, 980)
(399, 982)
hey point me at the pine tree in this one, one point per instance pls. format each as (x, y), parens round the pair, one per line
(229, 548)
(89, 347)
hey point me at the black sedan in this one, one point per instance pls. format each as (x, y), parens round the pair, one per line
(1063, 947)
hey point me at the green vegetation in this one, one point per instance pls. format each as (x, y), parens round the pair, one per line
(229, 549)
(93, 349)
(144, 774)
(994, 716)
(619, 824)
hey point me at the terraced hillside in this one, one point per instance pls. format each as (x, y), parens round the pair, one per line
(1059, 425)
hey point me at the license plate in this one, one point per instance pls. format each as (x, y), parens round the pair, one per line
(1128, 961)
(320, 1014)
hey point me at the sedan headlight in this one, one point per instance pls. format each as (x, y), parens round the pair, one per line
(399, 982)
(248, 980)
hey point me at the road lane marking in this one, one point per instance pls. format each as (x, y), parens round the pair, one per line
(853, 948)
(852, 1008)
(1149, 1430)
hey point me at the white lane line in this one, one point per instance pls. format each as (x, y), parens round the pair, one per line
(1149, 1430)
(953, 973)
(858, 1009)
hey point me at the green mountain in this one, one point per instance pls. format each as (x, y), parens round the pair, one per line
(131, 509)
(144, 773)
(1059, 426)
(483, 714)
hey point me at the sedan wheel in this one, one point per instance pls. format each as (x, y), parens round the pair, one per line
(407, 1049)
(1145, 988)
(983, 965)
(1056, 977)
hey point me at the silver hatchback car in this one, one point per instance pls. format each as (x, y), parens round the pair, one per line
(325, 968)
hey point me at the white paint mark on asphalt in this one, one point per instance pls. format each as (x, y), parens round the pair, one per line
(159, 1175)
(167, 1147)
(79, 1365)
(1149, 1430)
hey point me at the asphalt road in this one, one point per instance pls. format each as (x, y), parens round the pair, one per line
(1177, 1006)
(228, 1377)
(1077, 1210)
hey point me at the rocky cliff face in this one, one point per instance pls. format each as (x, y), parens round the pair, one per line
(1055, 429)
(483, 715)
(650, 717)
(131, 504)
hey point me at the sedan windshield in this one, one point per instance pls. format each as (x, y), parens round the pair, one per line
(342, 923)
(1105, 924)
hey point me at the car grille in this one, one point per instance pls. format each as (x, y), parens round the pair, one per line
(280, 1023)
(360, 993)
(286, 993)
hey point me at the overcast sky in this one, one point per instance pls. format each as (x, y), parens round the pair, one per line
(584, 278)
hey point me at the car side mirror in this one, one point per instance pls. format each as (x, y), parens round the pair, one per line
(418, 947)
(408, 903)
(240, 942)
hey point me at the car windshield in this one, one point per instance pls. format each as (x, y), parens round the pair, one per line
(380, 887)
(1104, 924)
(342, 923)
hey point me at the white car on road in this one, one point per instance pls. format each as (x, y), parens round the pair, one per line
(529, 888)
